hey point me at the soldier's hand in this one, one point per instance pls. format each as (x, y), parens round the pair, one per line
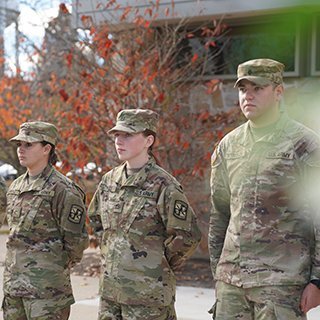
(310, 298)
(176, 263)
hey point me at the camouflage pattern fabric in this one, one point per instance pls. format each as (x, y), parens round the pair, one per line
(17, 308)
(259, 303)
(260, 71)
(148, 229)
(37, 131)
(47, 236)
(264, 226)
(111, 310)
(136, 120)
(3, 200)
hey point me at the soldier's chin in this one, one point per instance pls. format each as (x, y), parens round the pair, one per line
(22, 163)
(122, 157)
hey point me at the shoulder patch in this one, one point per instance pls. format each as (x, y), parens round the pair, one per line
(75, 214)
(180, 210)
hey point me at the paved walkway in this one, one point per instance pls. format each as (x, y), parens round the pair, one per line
(191, 304)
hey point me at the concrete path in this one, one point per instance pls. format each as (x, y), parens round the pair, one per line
(192, 303)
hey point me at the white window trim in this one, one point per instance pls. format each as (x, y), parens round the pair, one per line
(297, 54)
(315, 35)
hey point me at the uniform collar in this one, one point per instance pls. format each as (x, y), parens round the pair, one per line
(135, 180)
(37, 184)
(272, 137)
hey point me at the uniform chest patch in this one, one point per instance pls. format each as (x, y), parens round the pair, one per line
(145, 193)
(180, 210)
(281, 155)
(75, 214)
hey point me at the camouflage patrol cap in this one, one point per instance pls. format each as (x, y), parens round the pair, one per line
(37, 131)
(136, 120)
(260, 71)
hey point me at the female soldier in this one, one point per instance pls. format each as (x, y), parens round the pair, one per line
(148, 227)
(46, 217)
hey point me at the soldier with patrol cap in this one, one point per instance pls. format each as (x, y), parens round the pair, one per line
(264, 236)
(147, 225)
(46, 216)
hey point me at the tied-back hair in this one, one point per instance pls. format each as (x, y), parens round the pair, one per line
(147, 133)
(53, 158)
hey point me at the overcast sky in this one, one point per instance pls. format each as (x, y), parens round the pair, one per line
(32, 22)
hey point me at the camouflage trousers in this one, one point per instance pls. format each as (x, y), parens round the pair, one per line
(258, 303)
(109, 310)
(19, 308)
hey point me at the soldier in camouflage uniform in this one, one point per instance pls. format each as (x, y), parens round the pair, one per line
(147, 225)
(3, 200)
(264, 235)
(46, 217)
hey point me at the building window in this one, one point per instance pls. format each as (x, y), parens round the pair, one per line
(274, 41)
(277, 38)
(210, 57)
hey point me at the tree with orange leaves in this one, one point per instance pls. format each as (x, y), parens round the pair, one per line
(83, 83)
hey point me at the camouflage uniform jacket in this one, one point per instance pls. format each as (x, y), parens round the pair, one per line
(2, 201)
(148, 228)
(262, 228)
(47, 235)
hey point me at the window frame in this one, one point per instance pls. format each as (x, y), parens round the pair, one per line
(265, 20)
(314, 47)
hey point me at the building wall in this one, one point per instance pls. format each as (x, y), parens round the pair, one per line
(195, 9)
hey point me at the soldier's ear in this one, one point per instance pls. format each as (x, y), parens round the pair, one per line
(279, 92)
(47, 148)
(150, 140)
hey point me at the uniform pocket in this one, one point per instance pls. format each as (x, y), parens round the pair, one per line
(132, 209)
(27, 221)
(111, 213)
(13, 210)
(39, 206)
(285, 312)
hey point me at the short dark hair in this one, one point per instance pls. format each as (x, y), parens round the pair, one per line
(53, 158)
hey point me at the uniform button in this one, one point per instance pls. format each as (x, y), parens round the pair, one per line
(261, 211)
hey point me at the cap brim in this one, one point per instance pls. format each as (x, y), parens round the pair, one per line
(120, 127)
(25, 138)
(256, 80)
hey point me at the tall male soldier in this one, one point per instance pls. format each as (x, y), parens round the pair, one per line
(264, 236)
